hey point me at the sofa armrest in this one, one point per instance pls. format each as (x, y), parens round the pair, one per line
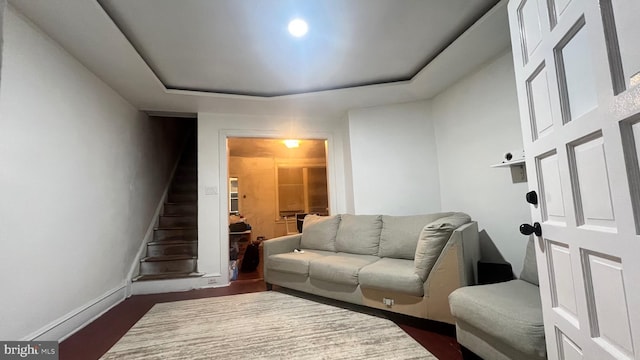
(280, 245)
(459, 256)
(454, 268)
(469, 239)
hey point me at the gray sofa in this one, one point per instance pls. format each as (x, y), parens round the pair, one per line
(502, 321)
(404, 264)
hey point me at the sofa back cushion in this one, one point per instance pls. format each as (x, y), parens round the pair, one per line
(359, 234)
(530, 267)
(319, 232)
(399, 235)
(432, 240)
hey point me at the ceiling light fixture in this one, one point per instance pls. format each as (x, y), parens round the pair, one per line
(291, 143)
(298, 27)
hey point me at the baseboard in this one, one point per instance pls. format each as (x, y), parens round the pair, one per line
(69, 324)
(177, 285)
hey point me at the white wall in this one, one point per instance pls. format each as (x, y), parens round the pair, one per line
(82, 172)
(213, 129)
(476, 122)
(348, 165)
(3, 6)
(394, 160)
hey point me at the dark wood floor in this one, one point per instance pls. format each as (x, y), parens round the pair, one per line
(98, 337)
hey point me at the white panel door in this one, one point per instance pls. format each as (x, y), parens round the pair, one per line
(577, 68)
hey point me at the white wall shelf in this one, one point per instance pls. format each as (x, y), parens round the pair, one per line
(514, 162)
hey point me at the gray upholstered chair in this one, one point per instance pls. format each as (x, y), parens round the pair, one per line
(504, 320)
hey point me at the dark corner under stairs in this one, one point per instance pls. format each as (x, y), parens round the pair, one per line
(173, 252)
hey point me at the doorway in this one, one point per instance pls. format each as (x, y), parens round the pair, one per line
(270, 181)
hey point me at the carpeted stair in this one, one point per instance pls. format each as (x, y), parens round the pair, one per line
(173, 253)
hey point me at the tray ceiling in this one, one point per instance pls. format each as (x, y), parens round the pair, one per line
(242, 46)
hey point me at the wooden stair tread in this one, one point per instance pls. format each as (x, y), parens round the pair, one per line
(167, 258)
(173, 242)
(167, 276)
(177, 228)
(169, 242)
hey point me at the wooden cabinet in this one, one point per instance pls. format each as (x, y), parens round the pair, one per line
(302, 190)
(318, 199)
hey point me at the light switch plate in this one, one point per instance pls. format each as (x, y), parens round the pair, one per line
(211, 190)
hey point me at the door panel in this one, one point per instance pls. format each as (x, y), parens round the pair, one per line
(559, 6)
(575, 72)
(551, 189)
(592, 192)
(568, 350)
(540, 103)
(529, 15)
(576, 62)
(562, 288)
(626, 29)
(609, 316)
(630, 132)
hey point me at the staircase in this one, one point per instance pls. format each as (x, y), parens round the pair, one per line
(173, 252)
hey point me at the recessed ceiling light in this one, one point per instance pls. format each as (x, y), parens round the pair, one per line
(298, 27)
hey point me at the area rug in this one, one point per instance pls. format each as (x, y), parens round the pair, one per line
(265, 325)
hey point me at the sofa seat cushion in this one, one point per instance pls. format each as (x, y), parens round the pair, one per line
(359, 234)
(295, 263)
(396, 275)
(341, 268)
(510, 311)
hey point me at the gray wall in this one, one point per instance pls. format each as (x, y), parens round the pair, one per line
(435, 155)
(3, 5)
(394, 159)
(476, 122)
(82, 174)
